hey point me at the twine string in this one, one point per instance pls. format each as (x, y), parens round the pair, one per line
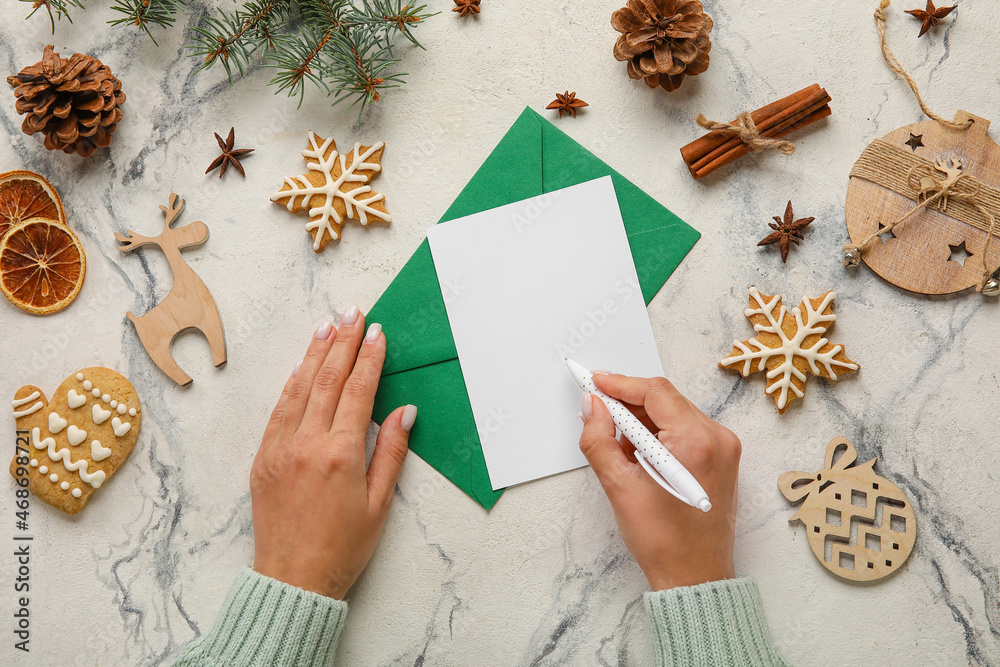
(895, 66)
(746, 130)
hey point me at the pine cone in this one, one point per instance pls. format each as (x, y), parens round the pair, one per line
(75, 102)
(663, 40)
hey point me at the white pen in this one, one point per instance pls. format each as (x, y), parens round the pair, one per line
(661, 465)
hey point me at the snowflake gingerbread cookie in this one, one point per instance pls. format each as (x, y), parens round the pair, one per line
(789, 344)
(335, 188)
(69, 445)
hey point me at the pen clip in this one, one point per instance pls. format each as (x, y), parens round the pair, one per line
(658, 478)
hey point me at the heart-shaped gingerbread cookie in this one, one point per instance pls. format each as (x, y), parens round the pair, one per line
(59, 471)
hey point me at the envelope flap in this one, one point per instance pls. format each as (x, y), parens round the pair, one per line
(411, 310)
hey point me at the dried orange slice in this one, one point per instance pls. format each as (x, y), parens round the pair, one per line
(24, 195)
(42, 266)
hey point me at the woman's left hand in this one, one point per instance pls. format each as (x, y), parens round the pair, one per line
(317, 512)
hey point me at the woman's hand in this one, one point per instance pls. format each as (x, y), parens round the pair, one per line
(317, 513)
(675, 544)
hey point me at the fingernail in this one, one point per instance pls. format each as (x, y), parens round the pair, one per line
(295, 371)
(408, 418)
(323, 330)
(350, 316)
(600, 371)
(374, 331)
(586, 409)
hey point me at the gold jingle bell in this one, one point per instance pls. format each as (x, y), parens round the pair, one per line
(992, 286)
(852, 257)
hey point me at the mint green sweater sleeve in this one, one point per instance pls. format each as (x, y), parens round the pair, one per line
(718, 623)
(265, 623)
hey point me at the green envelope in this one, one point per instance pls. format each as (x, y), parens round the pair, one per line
(422, 364)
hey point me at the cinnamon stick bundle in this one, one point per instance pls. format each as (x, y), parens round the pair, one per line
(720, 147)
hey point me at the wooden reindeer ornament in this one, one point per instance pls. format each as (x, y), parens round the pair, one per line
(867, 521)
(189, 305)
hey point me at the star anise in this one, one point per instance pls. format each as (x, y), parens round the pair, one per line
(228, 154)
(786, 231)
(930, 16)
(567, 102)
(466, 7)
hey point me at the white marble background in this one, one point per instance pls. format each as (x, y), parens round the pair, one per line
(542, 579)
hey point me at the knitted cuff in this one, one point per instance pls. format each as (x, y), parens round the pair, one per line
(718, 623)
(266, 622)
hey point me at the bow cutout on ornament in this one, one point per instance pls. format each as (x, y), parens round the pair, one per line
(797, 485)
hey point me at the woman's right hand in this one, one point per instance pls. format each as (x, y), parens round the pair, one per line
(674, 544)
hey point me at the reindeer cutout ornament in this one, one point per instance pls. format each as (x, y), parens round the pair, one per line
(860, 526)
(189, 305)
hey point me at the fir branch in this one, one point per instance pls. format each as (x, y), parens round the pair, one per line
(59, 7)
(142, 13)
(344, 47)
(361, 56)
(240, 36)
(324, 15)
(301, 61)
(395, 17)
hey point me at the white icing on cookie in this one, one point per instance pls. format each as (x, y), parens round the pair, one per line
(75, 435)
(22, 401)
(815, 323)
(114, 404)
(98, 452)
(119, 428)
(79, 377)
(76, 493)
(64, 486)
(99, 414)
(106, 398)
(34, 463)
(30, 411)
(122, 409)
(96, 393)
(56, 423)
(75, 400)
(16, 403)
(131, 412)
(95, 479)
(53, 478)
(87, 384)
(322, 218)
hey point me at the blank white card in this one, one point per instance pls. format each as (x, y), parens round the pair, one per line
(526, 285)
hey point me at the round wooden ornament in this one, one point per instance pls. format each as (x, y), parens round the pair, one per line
(921, 204)
(866, 521)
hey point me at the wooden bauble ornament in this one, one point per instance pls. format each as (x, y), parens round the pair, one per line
(939, 248)
(189, 305)
(866, 519)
